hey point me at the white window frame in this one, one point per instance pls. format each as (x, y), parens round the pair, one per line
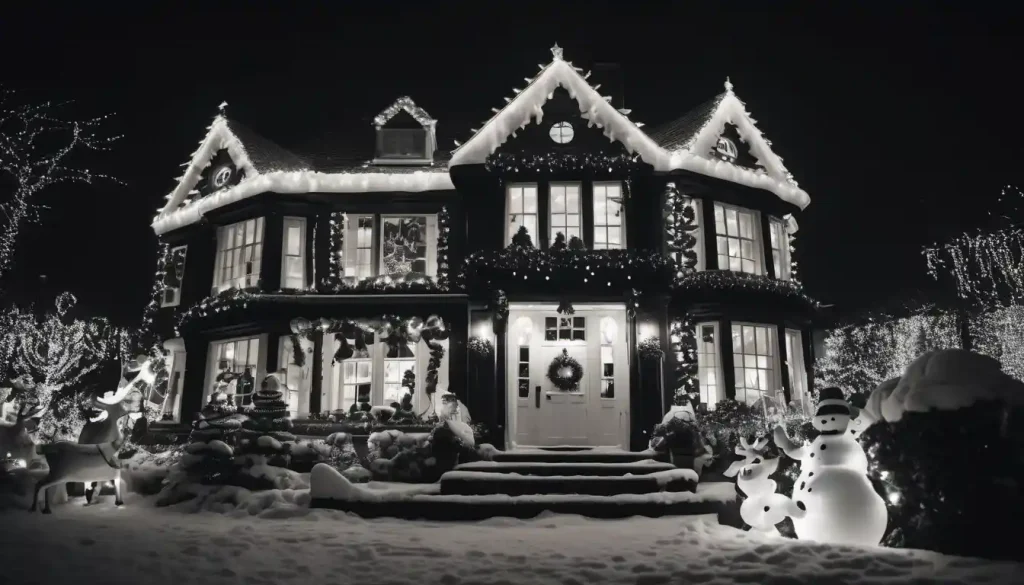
(251, 250)
(724, 237)
(602, 225)
(566, 214)
(797, 368)
(287, 281)
(517, 217)
(378, 361)
(779, 242)
(177, 289)
(740, 367)
(705, 370)
(562, 132)
(298, 381)
(212, 359)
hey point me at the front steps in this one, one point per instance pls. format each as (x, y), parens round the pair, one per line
(522, 484)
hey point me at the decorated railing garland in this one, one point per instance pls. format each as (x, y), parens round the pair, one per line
(726, 280)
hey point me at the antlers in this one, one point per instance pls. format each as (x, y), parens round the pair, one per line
(745, 449)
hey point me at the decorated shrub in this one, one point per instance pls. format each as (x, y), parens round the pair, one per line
(677, 435)
(421, 457)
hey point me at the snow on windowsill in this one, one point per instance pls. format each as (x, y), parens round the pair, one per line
(304, 182)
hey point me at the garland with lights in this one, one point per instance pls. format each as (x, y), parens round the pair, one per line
(443, 228)
(148, 336)
(680, 226)
(560, 162)
(335, 261)
(727, 280)
(565, 372)
(683, 337)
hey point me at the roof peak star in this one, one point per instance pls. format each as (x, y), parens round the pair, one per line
(556, 52)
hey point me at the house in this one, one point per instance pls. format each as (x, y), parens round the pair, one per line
(361, 281)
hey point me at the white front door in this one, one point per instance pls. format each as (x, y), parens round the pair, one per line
(596, 412)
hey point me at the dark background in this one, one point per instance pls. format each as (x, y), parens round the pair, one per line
(900, 122)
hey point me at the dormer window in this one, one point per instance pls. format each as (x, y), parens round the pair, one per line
(405, 134)
(403, 143)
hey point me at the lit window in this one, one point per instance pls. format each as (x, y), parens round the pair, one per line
(754, 355)
(524, 327)
(522, 211)
(296, 378)
(233, 369)
(565, 329)
(797, 370)
(399, 372)
(708, 364)
(780, 249)
(726, 149)
(174, 275)
(565, 211)
(609, 217)
(738, 248)
(293, 261)
(562, 133)
(239, 253)
(394, 246)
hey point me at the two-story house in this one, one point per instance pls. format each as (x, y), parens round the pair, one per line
(360, 280)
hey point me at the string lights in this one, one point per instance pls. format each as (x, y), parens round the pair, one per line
(33, 168)
(680, 229)
(557, 162)
(444, 229)
(683, 340)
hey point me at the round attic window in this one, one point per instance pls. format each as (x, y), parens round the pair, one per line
(562, 133)
(726, 149)
(221, 176)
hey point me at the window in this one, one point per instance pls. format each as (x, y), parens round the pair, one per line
(738, 248)
(174, 275)
(522, 211)
(239, 253)
(170, 402)
(524, 371)
(399, 372)
(608, 337)
(403, 143)
(353, 368)
(390, 245)
(780, 249)
(609, 217)
(565, 329)
(708, 364)
(797, 370)
(233, 369)
(754, 355)
(295, 377)
(565, 210)
(293, 255)
(562, 133)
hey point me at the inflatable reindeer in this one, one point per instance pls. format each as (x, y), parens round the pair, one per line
(88, 463)
(763, 508)
(15, 443)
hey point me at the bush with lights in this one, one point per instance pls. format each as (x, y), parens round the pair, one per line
(951, 479)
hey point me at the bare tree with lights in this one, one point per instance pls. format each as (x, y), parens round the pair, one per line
(52, 355)
(36, 145)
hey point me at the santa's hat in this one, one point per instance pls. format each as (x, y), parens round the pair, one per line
(831, 401)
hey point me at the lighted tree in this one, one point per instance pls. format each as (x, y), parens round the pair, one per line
(36, 148)
(53, 354)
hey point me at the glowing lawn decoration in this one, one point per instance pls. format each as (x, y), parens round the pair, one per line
(838, 503)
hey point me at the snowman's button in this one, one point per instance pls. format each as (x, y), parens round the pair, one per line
(802, 484)
(809, 490)
(766, 508)
(801, 506)
(823, 447)
(811, 474)
(812, 454)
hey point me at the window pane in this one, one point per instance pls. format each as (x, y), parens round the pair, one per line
(524, 388)
(294, 240)
(720, 220)
(530, 199)
(731, 223)
(572, 199)
(515, 200)
(745, 220)
(557, 200)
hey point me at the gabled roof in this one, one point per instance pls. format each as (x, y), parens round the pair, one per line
(684, 144)
(404, 103)
(528, 105)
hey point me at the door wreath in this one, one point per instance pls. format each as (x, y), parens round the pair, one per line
(565, 372)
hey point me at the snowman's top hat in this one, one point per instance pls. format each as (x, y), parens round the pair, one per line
(831, 401)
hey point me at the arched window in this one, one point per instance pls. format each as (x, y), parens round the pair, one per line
(562, 133)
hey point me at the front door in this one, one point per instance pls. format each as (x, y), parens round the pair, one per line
(596, 411)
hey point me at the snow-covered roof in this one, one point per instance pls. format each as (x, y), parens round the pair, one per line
(404, 103)
(685, 145)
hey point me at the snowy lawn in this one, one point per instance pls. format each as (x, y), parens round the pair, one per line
(287, 543)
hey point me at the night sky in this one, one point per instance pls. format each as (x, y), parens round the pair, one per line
(901, 124)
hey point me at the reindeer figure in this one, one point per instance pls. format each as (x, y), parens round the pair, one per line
(71, 462)
(15, 442)
(763, 508)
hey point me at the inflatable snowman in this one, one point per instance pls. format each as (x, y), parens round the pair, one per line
(836, 501)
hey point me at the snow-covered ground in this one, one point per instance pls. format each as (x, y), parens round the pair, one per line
(284, 542)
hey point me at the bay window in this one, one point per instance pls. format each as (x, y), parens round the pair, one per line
(609, 217)
(234, 366)
(738, 243)
(709, 364)
(755, 355)
(293, 254)
(390, 245)
(564, 211)
(521, 211)
(239, 253)
(780, 248)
